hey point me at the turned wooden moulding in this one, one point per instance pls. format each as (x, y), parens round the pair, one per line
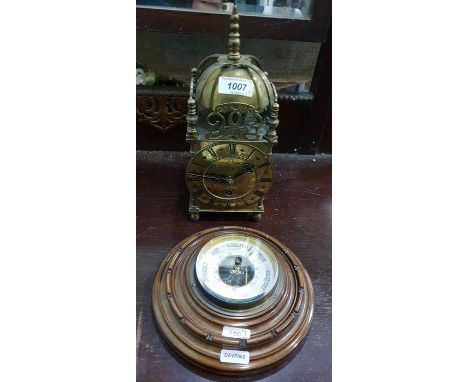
(193, 324)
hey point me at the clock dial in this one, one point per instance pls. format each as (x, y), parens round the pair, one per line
(229, 175)
(237, 269)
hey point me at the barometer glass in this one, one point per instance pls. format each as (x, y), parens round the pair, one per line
(237, 269)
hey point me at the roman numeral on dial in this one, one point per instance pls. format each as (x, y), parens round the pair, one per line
(250, 154)
(212, 152)
(259, 193)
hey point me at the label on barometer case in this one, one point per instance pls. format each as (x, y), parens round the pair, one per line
(233, 332)
(234, 85)
(234, 356)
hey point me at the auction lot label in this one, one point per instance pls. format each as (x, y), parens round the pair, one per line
(234, 85)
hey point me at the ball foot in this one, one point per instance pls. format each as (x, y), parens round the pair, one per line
(195, 216)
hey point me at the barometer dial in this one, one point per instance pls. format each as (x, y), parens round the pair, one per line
(236, 269)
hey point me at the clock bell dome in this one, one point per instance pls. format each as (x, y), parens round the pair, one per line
(208, 96)
(231, 96)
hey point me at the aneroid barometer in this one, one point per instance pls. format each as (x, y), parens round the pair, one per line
(231, 129)
(232, 300)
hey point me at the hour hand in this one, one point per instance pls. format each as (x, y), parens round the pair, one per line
(247, 168)
(215, 178)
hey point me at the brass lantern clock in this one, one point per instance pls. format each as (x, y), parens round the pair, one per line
(231, 129)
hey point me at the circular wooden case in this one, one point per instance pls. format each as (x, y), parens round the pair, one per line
(193, 325)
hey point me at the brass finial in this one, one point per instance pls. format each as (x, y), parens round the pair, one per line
(234, 36)
(192, 116)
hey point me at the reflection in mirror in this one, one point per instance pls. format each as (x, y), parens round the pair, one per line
(274, 8)
(290, 64)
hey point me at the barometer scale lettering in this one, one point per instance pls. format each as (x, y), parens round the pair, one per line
(236, 270)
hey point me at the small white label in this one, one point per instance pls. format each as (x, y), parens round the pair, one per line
(234, 356)
(231, 331)
(234, 85)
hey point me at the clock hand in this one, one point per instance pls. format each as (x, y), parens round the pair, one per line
(247, 168)
(215, 178)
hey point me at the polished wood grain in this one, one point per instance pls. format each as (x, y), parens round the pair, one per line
(297, 212)
(193, 324)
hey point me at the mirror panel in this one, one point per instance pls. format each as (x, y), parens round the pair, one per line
(293, 9)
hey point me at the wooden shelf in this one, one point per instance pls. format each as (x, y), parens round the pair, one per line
(297, 212)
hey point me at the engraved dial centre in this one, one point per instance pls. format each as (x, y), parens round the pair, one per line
(228, 176)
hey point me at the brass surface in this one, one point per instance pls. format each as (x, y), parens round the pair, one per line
(228, 176)
(234, 120)
(234, 36)
(230, 135)
(194, 329)
(207, 94)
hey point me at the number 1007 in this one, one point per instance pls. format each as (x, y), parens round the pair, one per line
(236, 86)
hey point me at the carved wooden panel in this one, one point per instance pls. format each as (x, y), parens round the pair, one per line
(162, 112)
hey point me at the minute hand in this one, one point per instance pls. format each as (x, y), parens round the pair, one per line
(216, 178)
(240, 172)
